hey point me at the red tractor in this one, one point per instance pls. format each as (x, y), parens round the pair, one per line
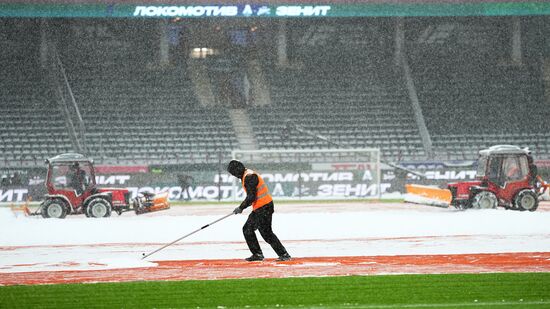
(506, 177)
(72, 190)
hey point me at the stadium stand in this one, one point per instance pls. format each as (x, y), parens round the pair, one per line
(487, 105)
(471, 95)
(352, 112)
(155, 117)
(32, 125)
(141, 113)
(342, 84)
(347, 89)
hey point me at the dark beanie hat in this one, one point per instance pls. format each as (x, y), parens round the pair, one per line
(236, 168)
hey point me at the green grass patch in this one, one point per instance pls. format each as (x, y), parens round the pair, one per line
(501, 290)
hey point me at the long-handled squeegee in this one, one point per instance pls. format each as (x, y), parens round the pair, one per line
(175, 241)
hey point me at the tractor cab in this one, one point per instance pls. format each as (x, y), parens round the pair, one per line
(505, 177)
(70, 182)
(71, 175)
(503, 165)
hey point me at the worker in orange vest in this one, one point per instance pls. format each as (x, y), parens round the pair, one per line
(257, 195)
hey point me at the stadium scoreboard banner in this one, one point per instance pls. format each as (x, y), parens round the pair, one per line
(344, 180)
(296, 10)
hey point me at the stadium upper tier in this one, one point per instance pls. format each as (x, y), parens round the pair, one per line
(141, 115)
(473, 93)
(32, 125)
(360, 103)
(341, 86)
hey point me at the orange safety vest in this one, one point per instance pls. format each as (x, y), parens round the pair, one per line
(262, 193)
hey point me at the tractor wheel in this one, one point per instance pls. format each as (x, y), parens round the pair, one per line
(98, 208)
(54, 208)
(485, 200)
(526, 200)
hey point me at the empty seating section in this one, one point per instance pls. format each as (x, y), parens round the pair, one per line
(139, 115)
(184, 137)
(355, 104)
(465, 146)
(474, 96)
(342, 86)
(484, 104)
(32, 125)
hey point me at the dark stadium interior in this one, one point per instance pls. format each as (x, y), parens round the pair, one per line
(150, 91)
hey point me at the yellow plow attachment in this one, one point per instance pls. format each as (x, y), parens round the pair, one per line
(160, 202)
(22, 209)
(434, 196)
(151, 203)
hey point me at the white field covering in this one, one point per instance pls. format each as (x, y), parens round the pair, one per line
(353, 229)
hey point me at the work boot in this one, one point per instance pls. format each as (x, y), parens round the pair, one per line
(284, 257)
(255, 257)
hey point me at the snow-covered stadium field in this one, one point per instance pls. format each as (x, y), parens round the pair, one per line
(324, 239)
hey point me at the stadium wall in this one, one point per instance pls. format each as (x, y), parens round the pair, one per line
(284, 182)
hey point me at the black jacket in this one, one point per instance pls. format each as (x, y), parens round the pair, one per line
(237, 169)
(250, 183)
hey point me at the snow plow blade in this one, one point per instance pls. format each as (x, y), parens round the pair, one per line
(150, 203)
(24, 209)
(428, 195)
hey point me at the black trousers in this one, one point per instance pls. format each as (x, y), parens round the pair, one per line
(261, 220)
